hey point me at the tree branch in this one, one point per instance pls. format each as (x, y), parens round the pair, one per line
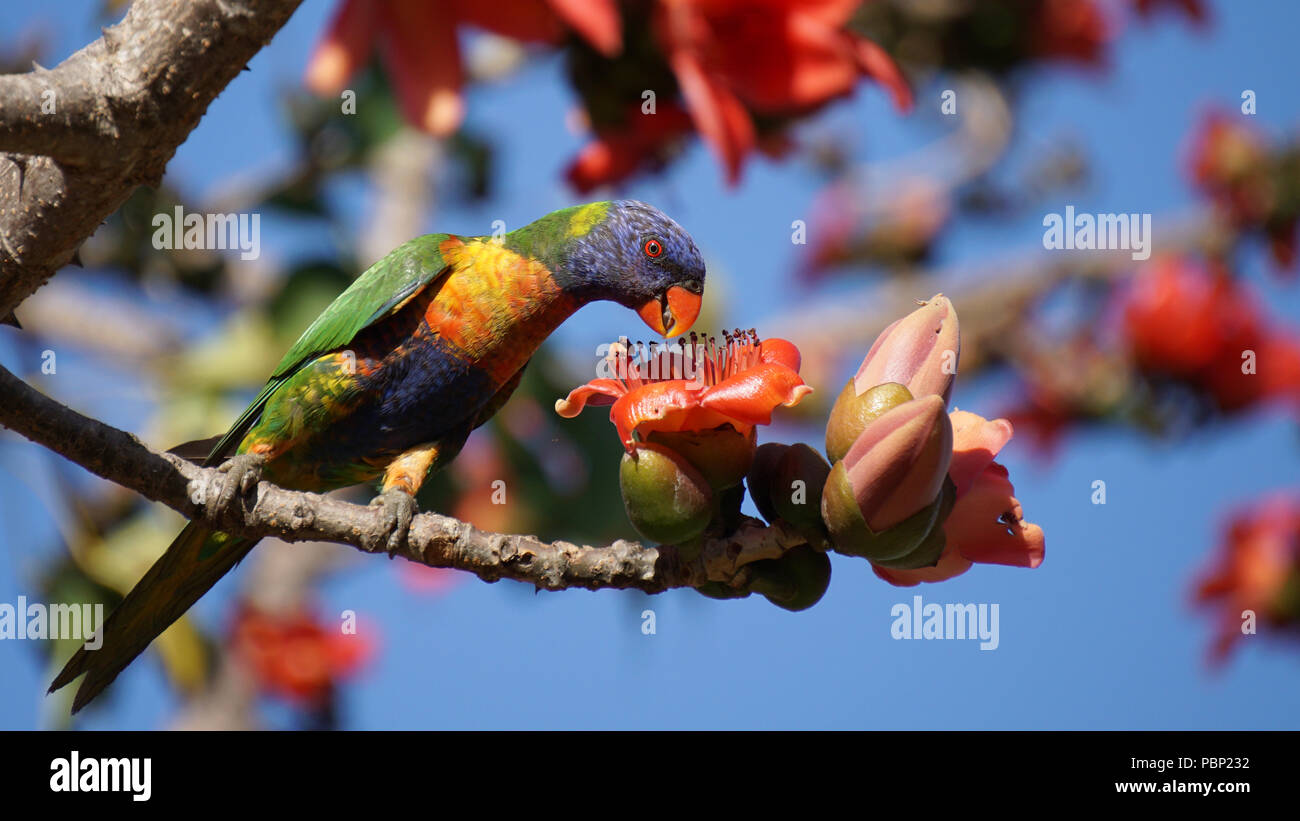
(54, 113)
(82, 136)
(433, 540)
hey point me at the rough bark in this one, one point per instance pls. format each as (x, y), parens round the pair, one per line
(433, 539)
(120, 107)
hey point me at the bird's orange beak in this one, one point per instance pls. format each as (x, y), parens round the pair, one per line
(675, 317)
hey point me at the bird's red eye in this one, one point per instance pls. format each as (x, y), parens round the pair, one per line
(653, 248)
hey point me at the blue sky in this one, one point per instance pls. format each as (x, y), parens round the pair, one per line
(1100, 636)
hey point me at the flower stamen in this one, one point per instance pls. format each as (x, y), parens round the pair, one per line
(699, 359)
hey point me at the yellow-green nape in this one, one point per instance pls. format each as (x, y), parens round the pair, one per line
(586, 217)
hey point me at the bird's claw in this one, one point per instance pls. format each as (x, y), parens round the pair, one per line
(243, 472)
(398, 509)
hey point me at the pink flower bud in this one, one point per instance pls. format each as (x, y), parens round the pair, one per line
(919, 351)
(898, 464)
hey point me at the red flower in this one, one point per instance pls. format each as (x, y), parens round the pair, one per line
(293, 655)
(1179, 318)
(1258, 569)
(986, 524)
(697, 386)
(1228, 160)
(1182, 320)
(807, 59)
(418, 40)
(1071, 30)
(617, 154)
(1276, 374)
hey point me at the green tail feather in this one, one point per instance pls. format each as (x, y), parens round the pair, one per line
(194, 562)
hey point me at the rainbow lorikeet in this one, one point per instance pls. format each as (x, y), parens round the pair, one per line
(389, 381)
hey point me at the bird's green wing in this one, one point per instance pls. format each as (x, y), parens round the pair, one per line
(377, 293)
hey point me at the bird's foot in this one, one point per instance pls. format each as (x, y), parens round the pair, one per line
(399, 508)
(243, 472)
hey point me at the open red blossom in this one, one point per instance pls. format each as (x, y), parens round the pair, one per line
(987, 524)
(293, 655)
(1257, 570)
(695, 385)
(418, 43)
(807, 60)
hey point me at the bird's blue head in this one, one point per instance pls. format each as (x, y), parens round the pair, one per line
(631, 253)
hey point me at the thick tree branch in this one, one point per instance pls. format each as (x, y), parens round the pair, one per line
(54, 113)
(434, 540)
(81, 136)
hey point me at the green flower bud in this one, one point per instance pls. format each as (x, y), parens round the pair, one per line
(930, 548)
(796, 581)
(796, 491)
(760, 477)
(727, 504)
(852, 412)
(719, 590)
(900, 461)
(667, 500)
(843, 518)
(903, 544)
(721, 454)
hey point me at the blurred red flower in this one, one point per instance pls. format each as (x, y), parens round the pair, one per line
(1182, 320)
(293, 655)
(1257, 569)
(807, 59)
(1231, 163)
(618, 153)
(1226, 160)
(1071, 30)
(418, 42)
